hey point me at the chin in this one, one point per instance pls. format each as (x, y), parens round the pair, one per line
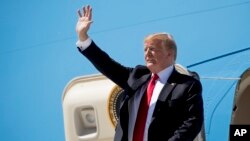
(151, 67)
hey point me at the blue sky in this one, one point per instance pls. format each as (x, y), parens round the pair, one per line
(38, 56)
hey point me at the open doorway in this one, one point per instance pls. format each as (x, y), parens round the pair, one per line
(241, 112)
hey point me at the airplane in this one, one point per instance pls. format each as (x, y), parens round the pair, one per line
(91, 105)
(50, 92)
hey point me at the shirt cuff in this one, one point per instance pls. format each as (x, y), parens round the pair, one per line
(83, 44)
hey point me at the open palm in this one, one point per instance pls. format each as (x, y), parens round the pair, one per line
(84, 21)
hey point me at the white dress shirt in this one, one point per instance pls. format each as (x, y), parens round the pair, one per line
(163, 77)
(83, 44)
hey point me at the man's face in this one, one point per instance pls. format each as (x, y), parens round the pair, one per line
(157, 56)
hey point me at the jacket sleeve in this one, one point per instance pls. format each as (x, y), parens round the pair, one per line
(106, 65)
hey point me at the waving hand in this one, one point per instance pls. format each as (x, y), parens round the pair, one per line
(84, 22)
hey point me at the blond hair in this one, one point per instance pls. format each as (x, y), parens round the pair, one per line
(167, 41)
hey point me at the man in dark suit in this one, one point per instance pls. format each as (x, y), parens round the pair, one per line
(172, 111)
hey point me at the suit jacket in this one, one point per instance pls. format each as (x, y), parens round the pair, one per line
(178, 114)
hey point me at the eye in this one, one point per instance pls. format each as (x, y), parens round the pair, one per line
(150, 48)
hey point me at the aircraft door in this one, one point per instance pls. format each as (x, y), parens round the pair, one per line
(241, 113)
(85, 109)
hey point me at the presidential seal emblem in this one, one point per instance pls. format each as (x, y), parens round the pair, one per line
(114, 102)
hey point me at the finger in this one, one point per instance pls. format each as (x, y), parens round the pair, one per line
(89, 23)
(84, 11)
(90, 14)
(89, 10)
(79, 13)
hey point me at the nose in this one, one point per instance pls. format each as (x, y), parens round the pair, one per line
(146, 51)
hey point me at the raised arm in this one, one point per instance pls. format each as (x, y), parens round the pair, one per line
(84, 22)
(100, 59)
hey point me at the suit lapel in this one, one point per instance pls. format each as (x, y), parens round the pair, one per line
(164, 95)
(165, 92)
(168, 87)
(140, 81)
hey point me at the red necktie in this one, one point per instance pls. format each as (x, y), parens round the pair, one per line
(143, 111)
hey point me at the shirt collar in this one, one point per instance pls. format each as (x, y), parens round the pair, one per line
(165, 73)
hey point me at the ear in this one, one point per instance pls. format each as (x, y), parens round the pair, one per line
(170, 52)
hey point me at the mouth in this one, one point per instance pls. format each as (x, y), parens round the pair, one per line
(150, 61)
